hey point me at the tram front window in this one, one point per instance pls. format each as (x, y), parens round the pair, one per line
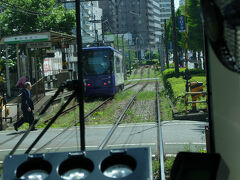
(96, 63)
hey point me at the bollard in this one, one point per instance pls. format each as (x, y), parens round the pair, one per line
(195, 87)
(207, 135)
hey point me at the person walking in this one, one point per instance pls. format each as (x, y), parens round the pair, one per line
(21, 82)
(27, 107)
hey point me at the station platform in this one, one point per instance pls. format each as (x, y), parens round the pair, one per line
(12, 105)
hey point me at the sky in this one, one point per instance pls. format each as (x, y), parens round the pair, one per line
(176, 3)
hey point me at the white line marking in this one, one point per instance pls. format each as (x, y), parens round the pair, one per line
(144, 144)
(143, 79)
(183, 143)
(170, 155)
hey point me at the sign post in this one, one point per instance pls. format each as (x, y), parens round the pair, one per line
(181, 23)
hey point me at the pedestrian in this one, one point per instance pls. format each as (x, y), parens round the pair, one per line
(21, 82)
(26, 106)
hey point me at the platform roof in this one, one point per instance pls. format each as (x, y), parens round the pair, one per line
(52, 37)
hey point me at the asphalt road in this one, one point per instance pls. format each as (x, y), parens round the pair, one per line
(177, 136)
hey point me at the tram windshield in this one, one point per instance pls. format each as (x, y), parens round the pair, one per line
(96, 62)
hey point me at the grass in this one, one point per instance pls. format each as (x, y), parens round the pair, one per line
(146, 95)
(167, 167)
(134, 118)
(66, 120)
(145, 74)
(178, 87)
(165, 108)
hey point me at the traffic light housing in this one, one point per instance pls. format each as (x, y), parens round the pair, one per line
(132, 163)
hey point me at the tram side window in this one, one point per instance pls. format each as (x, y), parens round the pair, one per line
(118, 67)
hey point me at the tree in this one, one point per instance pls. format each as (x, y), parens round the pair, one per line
(26, 16)
(180, 45)
(195, 29)
(195, 34)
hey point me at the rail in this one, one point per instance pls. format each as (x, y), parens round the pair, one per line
(107, 138)
(64, 130)
(64, 112)
(160, 138)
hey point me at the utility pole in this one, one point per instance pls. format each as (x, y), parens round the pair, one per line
(124, 60)
(117, 25)
(7, 74)
(102, 29)
(116, 5)
(174, 37)
(166, 42)
(80, 94)
(186, 36)
(95, 29)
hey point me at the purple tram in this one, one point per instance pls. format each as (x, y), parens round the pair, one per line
(103, 71)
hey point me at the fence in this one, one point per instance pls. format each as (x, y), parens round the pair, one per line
(55, 80)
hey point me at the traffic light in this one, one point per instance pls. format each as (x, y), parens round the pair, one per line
(132, 163)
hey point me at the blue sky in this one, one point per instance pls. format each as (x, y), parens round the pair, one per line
(176, 3)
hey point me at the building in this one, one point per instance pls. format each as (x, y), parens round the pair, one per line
(89, 12)
(181, 3)
(141, 18)
(165, 11)
(90, 30)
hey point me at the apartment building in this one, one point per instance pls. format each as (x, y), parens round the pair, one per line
(181, 3)
(141, 18)
(165, 11)
(90, 11)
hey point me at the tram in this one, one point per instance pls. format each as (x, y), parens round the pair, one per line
(103, 71)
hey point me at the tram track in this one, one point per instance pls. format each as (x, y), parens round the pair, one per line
(105, 141)
(123, 113)
(86, 116)
(159, 143)
(67, 111)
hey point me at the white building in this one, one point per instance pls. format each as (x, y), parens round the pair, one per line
(154, 19)
(90, 11)
(181, 3)
(165, 11)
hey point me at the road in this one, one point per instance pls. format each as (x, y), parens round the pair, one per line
(177, 136)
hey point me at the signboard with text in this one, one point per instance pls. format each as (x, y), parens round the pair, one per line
(27, 38)
(181, 23)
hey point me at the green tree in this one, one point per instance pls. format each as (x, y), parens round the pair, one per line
(28, 16)
(195, 34)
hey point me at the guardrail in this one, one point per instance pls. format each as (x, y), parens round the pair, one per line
(193, 102)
